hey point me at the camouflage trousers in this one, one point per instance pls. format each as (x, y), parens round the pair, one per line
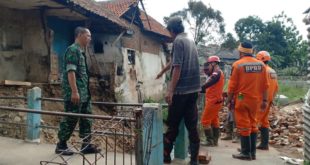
(67, 125)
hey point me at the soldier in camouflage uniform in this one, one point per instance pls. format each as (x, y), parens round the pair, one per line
(76, 94)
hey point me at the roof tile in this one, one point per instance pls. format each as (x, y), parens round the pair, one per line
(93, 7)
(156, 27)
(120, 7)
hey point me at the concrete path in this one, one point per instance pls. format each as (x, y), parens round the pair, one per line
(222, 155)
(19, 152)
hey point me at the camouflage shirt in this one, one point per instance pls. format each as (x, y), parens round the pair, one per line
(75, 60)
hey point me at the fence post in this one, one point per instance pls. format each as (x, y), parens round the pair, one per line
(152, 134)
(33, 120)
(139, 138)
(181, 143)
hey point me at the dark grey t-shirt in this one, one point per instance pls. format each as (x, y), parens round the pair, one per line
(185, 55)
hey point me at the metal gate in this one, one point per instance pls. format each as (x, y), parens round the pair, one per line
(118, 135)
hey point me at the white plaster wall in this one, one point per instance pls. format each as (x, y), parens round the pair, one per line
(147, 67)
(151, 66)
(126, 90)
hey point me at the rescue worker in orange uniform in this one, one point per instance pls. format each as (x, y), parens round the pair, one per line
(214, 100)
(249, 84)
(262, 116)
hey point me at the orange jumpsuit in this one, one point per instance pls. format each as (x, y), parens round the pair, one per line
(214, 101)
(262, 116)
(248, 82)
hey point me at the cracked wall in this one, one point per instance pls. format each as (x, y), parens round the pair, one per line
(23, 50)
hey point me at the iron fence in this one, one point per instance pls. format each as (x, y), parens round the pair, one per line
(119, 136)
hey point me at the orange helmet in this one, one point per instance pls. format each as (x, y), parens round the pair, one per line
(263, 56)
(213, 59)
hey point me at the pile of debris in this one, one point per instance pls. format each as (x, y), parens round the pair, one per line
(286, 126)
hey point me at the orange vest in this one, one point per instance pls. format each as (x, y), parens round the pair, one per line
(273, 83)
(249, 78)
(214, 92)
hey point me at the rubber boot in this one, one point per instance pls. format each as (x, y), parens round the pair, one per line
(88, 148)
(62, 148)
(194, 150)
(264, 139)
(216, 135)
(253, 145)
(167, 150)
(245, 153)
(209, 138)
(229, 132)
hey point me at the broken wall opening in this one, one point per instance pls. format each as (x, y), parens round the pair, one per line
(63, 36)
(144, 57)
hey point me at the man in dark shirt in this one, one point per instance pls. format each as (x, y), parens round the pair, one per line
(182, 92)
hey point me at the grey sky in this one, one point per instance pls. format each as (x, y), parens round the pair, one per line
(233, 10)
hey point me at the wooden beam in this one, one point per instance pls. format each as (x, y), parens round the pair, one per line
(15, 83)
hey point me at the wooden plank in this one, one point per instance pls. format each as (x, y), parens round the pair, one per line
(15, 83)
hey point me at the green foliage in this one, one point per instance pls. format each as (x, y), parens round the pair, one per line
(248, 29)
(149, 100)
(291, 91)
(290, 71)
(204, 21)
(201, 60)
(277, 60)
(230, 42)
(272, 40)
(279, 37)
(165, 114)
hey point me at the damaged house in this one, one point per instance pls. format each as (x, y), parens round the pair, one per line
(127, 50)
(141, 53)
(35, 33)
